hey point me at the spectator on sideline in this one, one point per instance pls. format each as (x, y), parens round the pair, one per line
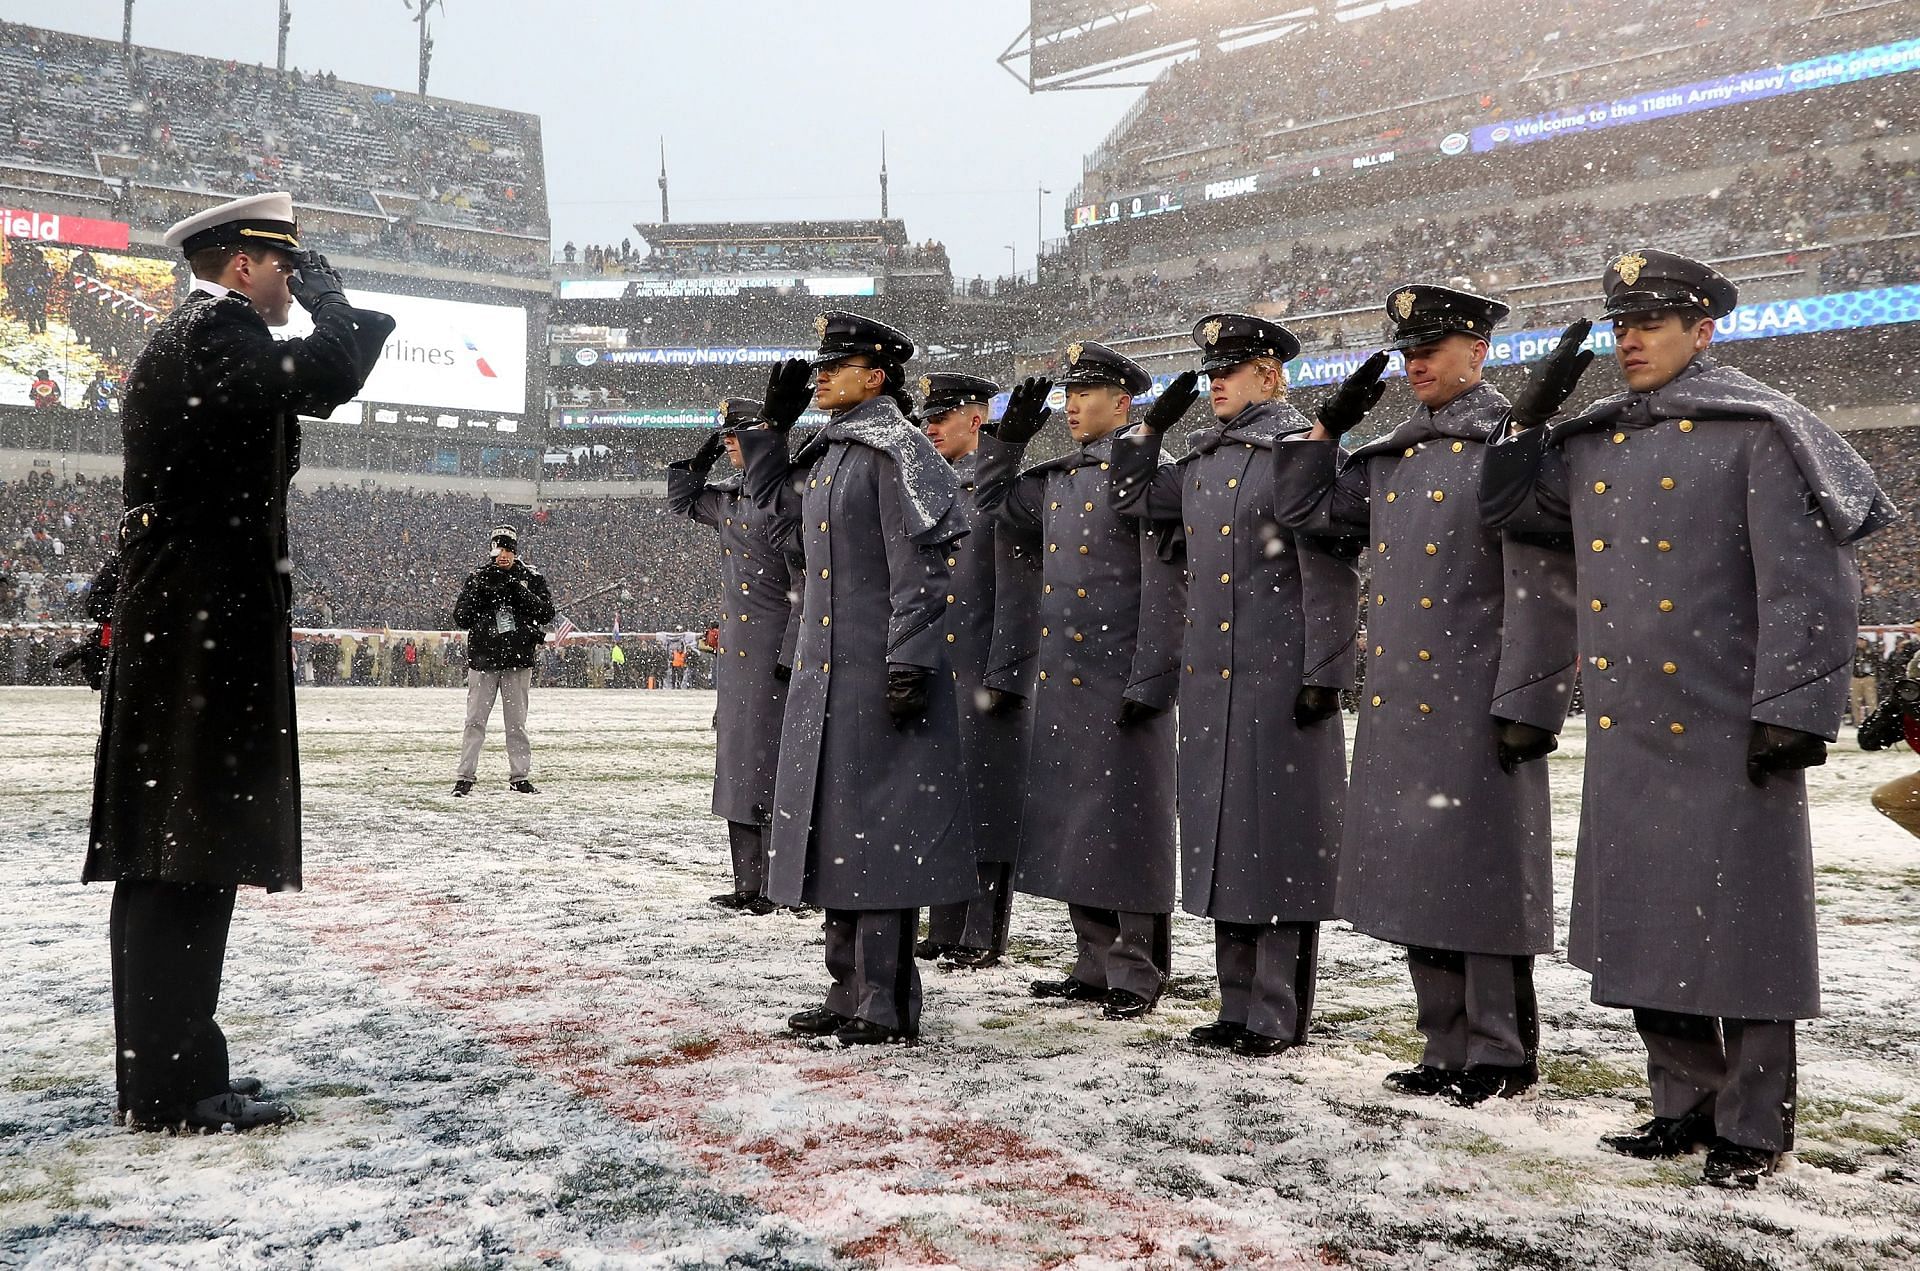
(503, 605)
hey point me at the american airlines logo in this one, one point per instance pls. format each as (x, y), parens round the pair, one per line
(51, 227)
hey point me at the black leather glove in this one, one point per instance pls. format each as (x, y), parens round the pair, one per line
(1553, 381)
(1000, 702)
(1132, 712)
(1313, 703)
(703, 458)
(315, 283)
(1520, 743)
(1359, 393)
(1027, 411)
(789, 393)
(907, 693)
(1885, 726)
(1174, 401)
(1775, 748)
(782, 672)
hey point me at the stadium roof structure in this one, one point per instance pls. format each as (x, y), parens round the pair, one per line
(1099, 43)
(691, 233)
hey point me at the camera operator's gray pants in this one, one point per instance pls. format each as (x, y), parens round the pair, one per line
(512, 686)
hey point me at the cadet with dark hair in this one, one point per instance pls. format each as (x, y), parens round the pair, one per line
(1447, 848)
(1269, 644)
(870, 815)
(196, 785)
(991, 624)
(1713, 521)
(753, 657)
(1096, 829)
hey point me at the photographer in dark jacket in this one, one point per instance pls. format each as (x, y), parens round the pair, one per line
(503, 605)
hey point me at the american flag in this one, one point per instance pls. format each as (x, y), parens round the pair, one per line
(565, 629)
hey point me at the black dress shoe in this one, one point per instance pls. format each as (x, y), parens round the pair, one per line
(248, 1086)
(1663, 1137)
(1421, 1079)
(817, 1022)
(759, 906)
(1125, 1004)
(461, 789)
(221, 1113)
(730, 900)
(969, 960)
(861, 1032)
(928, 950)
(1071, 989)
(523, 786)
(1740, 1168)
(1256, 1046)
(1219, 1035)
(1481, 1082)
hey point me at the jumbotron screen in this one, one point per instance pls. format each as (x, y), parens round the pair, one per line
(72, 320)
(443, 354)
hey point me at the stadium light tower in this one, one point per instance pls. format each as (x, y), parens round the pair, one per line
(126, 27)
(286, 21)
(1039, 192)
(426, 37)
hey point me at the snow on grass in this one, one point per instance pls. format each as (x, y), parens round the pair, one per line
(517, 1035)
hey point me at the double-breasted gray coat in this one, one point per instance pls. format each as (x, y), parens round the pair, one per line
(993, 626)
(758, 628)
(1443, 849)
(1098, 828)
(1266, 612)
(1714, 590)
(866, 815)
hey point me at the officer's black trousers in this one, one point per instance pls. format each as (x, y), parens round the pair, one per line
(870, 957)
(980, 923)
(749, 846)
(169, 943)
(1743, 1070)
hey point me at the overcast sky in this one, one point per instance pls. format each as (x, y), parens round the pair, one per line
(771, 109)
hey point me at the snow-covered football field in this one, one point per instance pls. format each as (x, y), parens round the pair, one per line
(518, 1036)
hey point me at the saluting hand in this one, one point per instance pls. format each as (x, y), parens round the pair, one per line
(709, 451)
(1174, 401)
(1555, 378)
(1027, 411)
(1359, 393)
(315, 283)
(789, 393)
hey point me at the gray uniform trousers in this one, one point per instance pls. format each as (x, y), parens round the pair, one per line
(1267, 974)
(1743, 1070)
(1117, 949)
(512, 688)
(980, 923)
(1475, 1008)
(749, 844)
(870, 957)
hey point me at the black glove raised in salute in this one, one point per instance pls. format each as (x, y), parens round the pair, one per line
(1359, 393)
(1027, 411)
(907, 693)
(315, 283)
(1554, 379)
(1174, 401)
(789, 393)
(709, 451)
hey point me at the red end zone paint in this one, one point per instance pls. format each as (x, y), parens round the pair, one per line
(53, 227)
(674, 1066)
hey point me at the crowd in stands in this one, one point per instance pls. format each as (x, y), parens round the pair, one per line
(140, 117)
(680, 260)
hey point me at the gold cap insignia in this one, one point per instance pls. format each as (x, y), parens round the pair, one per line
(1073, 353)
(926, 386)
(820, 326)
(1403, 305)
(1629, 267)
(723, 405)
(1212, 331)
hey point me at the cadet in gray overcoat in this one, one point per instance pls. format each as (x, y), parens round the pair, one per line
(1448, 847)
(1712, 520)
(1268, 645)
(754, 658)
(1097, 826)
(870, 812)
(993, 625)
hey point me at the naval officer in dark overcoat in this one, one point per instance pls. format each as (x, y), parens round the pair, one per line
(197, 782)
(1447, 848)
(993, 625)
(1713, 521)
(1268, 645)
(870, 814)
(1097, 828)
(754, 657)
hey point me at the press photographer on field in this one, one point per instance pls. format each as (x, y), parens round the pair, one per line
(503, 605)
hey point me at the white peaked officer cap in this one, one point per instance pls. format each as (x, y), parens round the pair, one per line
(259, 220)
